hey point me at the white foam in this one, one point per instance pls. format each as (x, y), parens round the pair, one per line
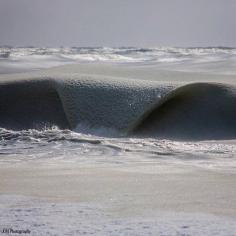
(56, 146)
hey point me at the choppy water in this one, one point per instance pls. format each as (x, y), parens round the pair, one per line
(54, 146)
(220, 60)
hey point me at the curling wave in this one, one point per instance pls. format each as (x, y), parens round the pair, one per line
(194, 111)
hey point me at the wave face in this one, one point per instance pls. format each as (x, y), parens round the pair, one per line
(28, 105)
(67, 103)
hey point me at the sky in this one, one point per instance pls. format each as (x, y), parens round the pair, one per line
(143, 23)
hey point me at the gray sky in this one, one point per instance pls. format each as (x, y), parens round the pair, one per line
(118, 22)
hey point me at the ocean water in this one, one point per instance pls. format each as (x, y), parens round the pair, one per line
(115, 106)
(146, 110)
(216, 60)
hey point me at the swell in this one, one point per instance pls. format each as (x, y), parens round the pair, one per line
(198, 111)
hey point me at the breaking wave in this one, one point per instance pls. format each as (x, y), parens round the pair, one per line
(196, 111)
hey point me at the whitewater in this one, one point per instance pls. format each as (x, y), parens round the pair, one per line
(130, 141)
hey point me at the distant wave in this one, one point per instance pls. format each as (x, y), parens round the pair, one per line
(193, 111)
(122, 54)
(190, 59)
